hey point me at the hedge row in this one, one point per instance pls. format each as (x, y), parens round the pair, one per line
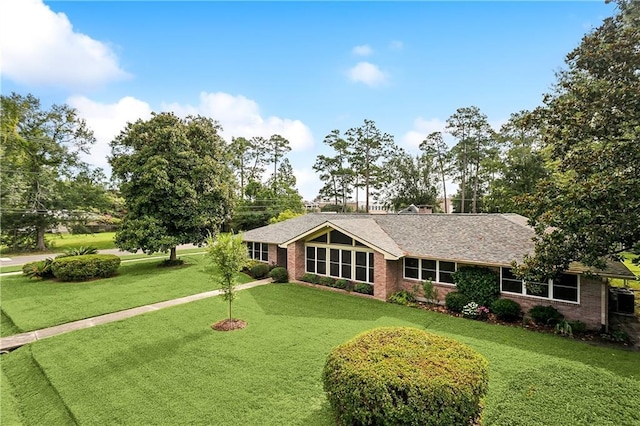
(362, 288)
(86, 267)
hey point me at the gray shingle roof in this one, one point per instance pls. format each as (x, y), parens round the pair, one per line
(495, 239)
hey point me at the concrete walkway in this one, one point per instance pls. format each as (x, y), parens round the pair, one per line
(17, 340)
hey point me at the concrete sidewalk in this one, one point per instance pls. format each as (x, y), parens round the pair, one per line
(17, 340)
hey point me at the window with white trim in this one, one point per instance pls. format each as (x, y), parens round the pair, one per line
(565, 287)
(317, 260)
(429, 270)
(258, 251)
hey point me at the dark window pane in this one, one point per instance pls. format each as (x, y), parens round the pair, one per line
(361, 273)
(508, 274)
(370, 259)
(567, 280)
(538, 289)
(346, 257)
(322, 267)
(411, 262)
(370, 275)
(448, 266)
(322, 253)
(311, 252)
(358, 243)
(346, 271)
(446, 277)
(361, 258)
(265, 256)
(411, 273)
(565, 293)
(321, 239)
(340, 238)
(429, 275)
(512, 286)
(429, 264)
(334, 270)
(311, 266)
(335, 255)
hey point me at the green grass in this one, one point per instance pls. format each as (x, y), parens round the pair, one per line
(169, 367)
(31, 305)
(60, 242)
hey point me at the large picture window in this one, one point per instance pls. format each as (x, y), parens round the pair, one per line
(564, 287)
(258, 251)
(429, 270)
(340, 263)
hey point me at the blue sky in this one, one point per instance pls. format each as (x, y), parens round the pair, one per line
(300, 69)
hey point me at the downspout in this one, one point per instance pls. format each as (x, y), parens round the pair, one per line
(604, 303)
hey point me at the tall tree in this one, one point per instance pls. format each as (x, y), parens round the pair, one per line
(587, 209)
(249, 159)
(335, 171)
(43, 181)
(176, 180)
(276, 148)
(433, 145)
(367, 147)
(474, 135)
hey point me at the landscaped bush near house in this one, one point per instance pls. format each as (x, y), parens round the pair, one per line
(455, 301)
(481, 285)
(341, 284)
(402, 297)
(474, 311)
(310, 278)
(327, 281)
(86, 267)
(402, 375)
(259, 271)
(279, 275)
(545, 315)
(78, 251)
(506, 310)
(363, 288)
(578, 326)
(40, 270)
(430, 292)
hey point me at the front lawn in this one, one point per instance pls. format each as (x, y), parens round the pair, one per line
(169, 367)
(30, 305)
(59, 242)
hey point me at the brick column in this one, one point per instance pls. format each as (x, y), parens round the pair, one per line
(385, 276)
(295, 260)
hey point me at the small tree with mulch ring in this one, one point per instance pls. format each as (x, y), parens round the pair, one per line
(229, 254)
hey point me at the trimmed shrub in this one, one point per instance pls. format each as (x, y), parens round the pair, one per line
(402, 297)
(86, 267)
(481, 285)
(78, 251)
(545, 315)
(259, 271)
(455, 301)
(310, 278)
(40, 270)
(429, 291)
(363, 288)
(402, 375)
(578, 326)
(327, 281)
(279, 275)
(506, 310)
(341, 284)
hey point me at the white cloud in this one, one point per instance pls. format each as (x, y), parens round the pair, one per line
(422, 128)
(396, 45)
(40, 48)
(368, 73)
(362, 50)
(307, 182)
(107, 121)
(240, 116)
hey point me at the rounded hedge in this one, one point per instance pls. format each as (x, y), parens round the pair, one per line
(480, 285)
(402, 375)
(506, 309)
(259, 271)
(279, 275)
(455, 301)
(86, 267)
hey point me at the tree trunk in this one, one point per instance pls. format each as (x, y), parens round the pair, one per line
(173, 256)
(40, 245)
(444, 189)
(230, 318)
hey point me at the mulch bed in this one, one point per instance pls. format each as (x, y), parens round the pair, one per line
(229, 324)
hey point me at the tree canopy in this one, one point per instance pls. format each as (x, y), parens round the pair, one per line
(176, 179)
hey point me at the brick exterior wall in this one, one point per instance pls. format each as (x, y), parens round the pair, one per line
(273, 254)
(385, 276)
(296, 260)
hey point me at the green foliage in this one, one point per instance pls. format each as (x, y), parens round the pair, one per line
(336, 173)
(341, 284)
(578, 326)
(479, 284)
(506, 310)
(429, 291)
(564, 328)
(175, 178)
(545, 315)
(85, 267)
(474, 311)
(279, 275)
(310, 278)
(401, 375)
(326, 281)
(259, 270)
(590, 126)
(402, 297)
(78, 251)
(39, 270)
(363, 288)
(284, 215)
(170, 263)
(455, 301)
(229, 255)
